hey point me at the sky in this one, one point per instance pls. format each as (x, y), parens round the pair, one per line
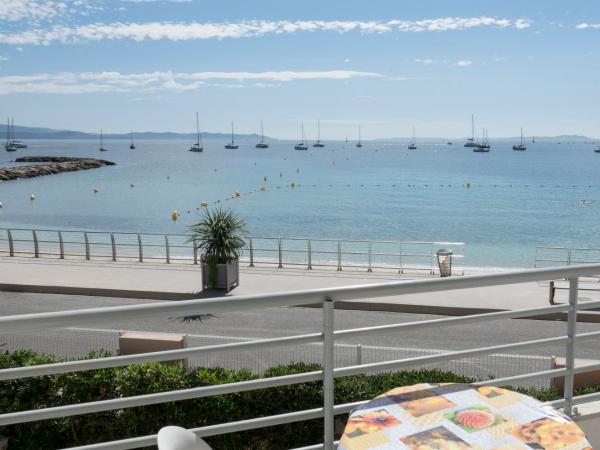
(386, 65)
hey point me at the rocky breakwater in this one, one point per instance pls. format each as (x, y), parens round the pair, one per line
(50, 165)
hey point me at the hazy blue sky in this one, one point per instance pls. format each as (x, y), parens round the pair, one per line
(149, 64)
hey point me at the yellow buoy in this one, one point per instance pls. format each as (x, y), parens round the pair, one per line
(204, 204)
(237, 194)
(263, 188)
(32, 197)
(174, 215)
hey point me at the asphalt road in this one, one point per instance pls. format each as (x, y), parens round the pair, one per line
(76, 341)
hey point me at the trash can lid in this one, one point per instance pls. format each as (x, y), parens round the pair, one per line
(444, 252)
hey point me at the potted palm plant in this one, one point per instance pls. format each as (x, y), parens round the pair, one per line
(219, 237)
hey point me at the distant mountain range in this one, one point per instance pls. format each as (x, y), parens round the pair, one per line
(49, 133)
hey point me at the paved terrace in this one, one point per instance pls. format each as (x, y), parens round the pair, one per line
(174, 281)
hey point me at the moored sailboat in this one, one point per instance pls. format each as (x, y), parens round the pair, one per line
(197, 147)
(131, 144)
(318, 144)
(231, 145)
(484, 146)
(262, 143)
(359, 143)
(102, 147)
(9, 146)
(471, 142)
(521, 147)
(412, 145)
(302, 145)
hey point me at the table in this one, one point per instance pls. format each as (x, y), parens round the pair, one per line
(456, 417)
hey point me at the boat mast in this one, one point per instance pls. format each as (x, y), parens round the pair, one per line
(197, 130)
(318, 131)
(521, 135)
(472, 127)
(359, 138)
(12, 132)
(7, 130)
(101, 139)
(262, 133)
(232, 132)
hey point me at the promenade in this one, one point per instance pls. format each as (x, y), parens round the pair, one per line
(174, 282)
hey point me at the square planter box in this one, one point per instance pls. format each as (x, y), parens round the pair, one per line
(228, 276)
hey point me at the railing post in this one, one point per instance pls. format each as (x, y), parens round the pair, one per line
(570, 353)
(113, 246)
(167, 250)
(401, 269)
(358, 355)
(141, 252)
(370, 269)
(309, 267)
(339, 256)
(61, 245)
(251, 249)
(280, 265)
(36, 246)
(87, 246)
(328, 380)
(432, 253)
(569, 257)
(11, 244)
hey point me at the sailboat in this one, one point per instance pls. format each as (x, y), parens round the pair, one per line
(262, 143)
(102, 148)
(597, 149)
(132, 145)
(232, 145)
(521, 147)
(302, 145)
(471, 141)
(359, 143)
(318, 144)
(9, 146)
(197, 147)
(413, 144)
(16, 143)
(484, 146)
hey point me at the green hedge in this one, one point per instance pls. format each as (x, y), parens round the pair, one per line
(56, 390)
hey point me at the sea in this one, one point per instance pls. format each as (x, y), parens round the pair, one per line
(502, 204)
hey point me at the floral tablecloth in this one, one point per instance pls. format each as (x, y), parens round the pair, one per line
(458, 416)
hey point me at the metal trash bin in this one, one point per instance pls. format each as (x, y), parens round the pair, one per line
(444, 259)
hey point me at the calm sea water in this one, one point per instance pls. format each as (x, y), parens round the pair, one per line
(517, 200)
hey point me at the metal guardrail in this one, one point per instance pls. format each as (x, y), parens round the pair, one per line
(327, 336)
(259, 251)
(565, 256)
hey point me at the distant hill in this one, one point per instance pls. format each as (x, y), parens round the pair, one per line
(49, 133)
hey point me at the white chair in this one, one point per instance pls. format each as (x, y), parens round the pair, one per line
(177, 438)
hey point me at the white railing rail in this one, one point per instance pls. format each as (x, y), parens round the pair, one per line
(309, 253)
(327, 336)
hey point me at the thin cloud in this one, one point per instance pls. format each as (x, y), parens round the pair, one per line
(39, 11)
(153, 31)
(588, 26)
(463, 63)
(89, 82)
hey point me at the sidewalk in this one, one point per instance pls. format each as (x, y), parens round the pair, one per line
(176, 282)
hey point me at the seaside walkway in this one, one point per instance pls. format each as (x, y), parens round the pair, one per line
(177, 281)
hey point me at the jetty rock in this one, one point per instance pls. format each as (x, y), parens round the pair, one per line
(50, 165)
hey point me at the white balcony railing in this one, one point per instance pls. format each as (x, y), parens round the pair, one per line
(326, 336)
(277, 252)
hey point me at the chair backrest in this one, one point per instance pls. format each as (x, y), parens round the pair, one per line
(177, 438)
